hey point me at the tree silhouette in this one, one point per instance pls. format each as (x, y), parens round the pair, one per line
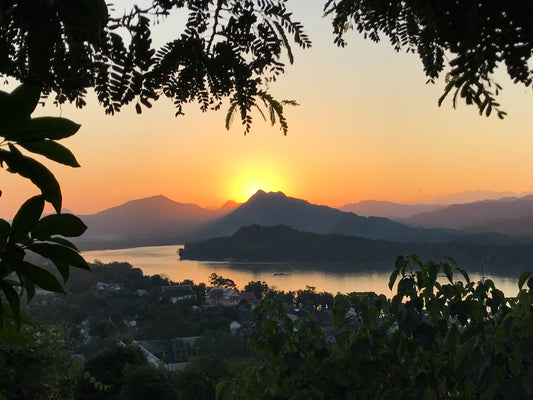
(468, 40)
(228, 48)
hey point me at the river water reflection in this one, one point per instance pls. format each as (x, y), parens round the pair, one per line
(164, 260)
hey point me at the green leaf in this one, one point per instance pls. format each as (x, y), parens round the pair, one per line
(19, 104)
(401, 263)
(405, 286)
(64, 270)
(5, 229)
(392, 278)
(24, 98)
(30, 289)
(416, 258)
(523, 278)
(34, 171)
(26, 218)
(220, 387)
(231, 113)
(53, 151)
(464, 273)
(58, 224)
(42, 128)
(447, 268)
(64, 242)
(59, 254)
(42, 278)
(11, 296)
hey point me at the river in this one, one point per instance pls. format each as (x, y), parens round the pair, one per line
(164, 260)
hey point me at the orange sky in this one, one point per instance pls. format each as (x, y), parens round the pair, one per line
(367, 128)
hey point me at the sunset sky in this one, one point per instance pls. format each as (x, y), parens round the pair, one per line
(368, 127)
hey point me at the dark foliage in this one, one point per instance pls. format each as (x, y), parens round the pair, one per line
(227, 48)
(36, 365)
(472, 39)
(438, 338)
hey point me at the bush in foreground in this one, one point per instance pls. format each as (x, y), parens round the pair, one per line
(437, 338)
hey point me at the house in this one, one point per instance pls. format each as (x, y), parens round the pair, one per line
(178, 292)
(177, 367)
(222, 296)
(234, 327)
(250, 298)
(150, 357)
(171, 350)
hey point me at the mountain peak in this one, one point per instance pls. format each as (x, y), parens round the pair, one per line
(230, 203)
(159, 197)
(261, 194)
(228, 206)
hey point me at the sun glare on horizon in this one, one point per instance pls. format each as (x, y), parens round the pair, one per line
(256, 179)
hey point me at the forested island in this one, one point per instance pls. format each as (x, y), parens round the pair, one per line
(282, 243)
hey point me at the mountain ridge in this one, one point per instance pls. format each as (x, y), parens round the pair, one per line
(275, 208)
(388, 209)
(157, 220)
(154, 220)
(468, 216)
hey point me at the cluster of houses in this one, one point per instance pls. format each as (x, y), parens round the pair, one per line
(215, 296)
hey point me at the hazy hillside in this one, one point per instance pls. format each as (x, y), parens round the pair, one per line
(387, 209)
(269, 209)
(471, 196)
(154, 220)
(521, 227)
(478, 214)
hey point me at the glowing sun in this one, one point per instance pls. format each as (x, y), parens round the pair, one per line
(256, 179)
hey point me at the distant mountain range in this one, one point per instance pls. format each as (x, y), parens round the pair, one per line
(510, 216)
(374, 208)
(154, 220)
(158, 220)
(400, 211)
(471, 196)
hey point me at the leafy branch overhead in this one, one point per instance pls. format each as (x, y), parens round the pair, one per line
(273, 107)
(467, 40)
(228, 48)
(28, 232)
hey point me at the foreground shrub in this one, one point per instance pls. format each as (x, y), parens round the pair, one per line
(437, 338)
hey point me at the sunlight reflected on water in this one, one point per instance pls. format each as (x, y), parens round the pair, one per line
(164, 260)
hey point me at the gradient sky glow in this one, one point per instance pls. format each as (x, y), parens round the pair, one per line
(368, 127)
